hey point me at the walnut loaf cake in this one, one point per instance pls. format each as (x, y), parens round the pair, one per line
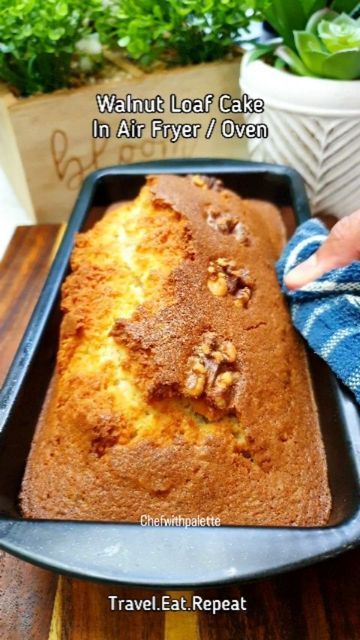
(181, 387)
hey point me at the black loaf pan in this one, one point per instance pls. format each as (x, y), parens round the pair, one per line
(168, 556)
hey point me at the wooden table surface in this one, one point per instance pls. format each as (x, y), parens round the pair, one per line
(320, 602)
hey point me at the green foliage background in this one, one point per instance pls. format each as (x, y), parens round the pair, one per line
(175, 31)
(37, 41)
(38, 37)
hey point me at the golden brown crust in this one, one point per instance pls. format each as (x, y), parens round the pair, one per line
(181, 386)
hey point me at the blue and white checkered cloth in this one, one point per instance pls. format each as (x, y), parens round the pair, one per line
(327, 311)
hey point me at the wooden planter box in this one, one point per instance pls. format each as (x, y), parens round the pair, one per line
(47, 145)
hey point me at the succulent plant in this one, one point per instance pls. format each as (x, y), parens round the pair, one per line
(313, 39)
(329, 47)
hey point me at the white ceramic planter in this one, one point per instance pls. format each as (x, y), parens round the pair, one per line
(314, 126)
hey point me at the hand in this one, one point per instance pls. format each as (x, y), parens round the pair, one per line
(341, 247)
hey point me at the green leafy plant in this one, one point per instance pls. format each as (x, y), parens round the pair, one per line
(38, 40)
(316, 41)
(174, 31)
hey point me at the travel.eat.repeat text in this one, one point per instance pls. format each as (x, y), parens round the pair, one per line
(168, 603)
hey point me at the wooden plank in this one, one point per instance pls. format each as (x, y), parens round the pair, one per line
(316, 603)
(23, 271)
(26, 592)
(26, 600)
(82, 612)
(58, 126)
(181, 624)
